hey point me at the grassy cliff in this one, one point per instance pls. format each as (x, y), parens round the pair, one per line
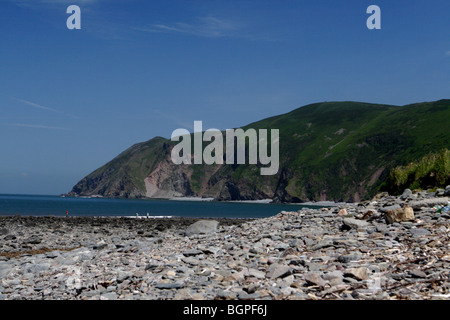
(342, 151)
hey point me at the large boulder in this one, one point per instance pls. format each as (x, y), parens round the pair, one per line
(202, 227)
(399, 215)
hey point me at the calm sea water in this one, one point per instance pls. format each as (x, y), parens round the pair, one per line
(36, 205)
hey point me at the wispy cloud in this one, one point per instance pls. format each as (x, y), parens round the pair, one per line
(36, 126)
(447, 53)
(36, 105)
(210, 27)
(39, 106)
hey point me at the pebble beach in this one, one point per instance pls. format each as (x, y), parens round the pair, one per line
(389, 248)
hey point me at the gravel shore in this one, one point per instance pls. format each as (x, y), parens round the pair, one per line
(372, 250)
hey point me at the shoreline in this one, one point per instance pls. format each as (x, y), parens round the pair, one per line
(211, 199)
(128, 217)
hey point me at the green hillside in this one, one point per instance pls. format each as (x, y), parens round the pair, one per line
(341, 151)
(430, 172)
(124, 175)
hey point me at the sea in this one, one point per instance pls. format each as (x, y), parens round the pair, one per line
(50, 205)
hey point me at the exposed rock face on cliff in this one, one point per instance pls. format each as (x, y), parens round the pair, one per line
(168, 180)
(336, 151)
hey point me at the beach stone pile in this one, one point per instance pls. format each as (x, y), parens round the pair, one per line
(386, 248)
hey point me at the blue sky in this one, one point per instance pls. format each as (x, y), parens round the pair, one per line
(71, 100)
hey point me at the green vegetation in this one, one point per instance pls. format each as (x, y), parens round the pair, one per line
(341, 151)
(197, 177)
(429, 172)
(344, 151)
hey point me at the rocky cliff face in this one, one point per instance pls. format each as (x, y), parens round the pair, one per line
(168, 180)
(337, 151)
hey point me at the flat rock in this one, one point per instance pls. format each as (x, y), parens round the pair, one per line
(191, 261)
(417, 273)
(337, 274)
(226, 295)
(361, 273)
(419, 232)
(387, 208)
(123, 275)
(211, 250)
(109, 296)
(355, 223)
(321, 245)
(278, 270)
(174, 285)
(256, 273)
(248, 296)
(193, 252)
(202, 227)
(314, 278)
(348, 257)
